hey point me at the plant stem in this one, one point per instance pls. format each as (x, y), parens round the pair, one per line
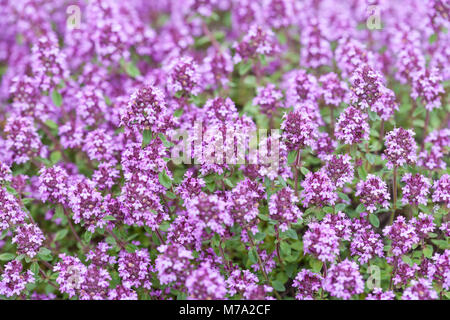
(48, 280)
(394, 270)
(119, 242)
(278, 247)
(228, 267)
(332, 120)
(72, 228)
(425, 130)
(297, 161)
(394, 195)
(160, 236)
(381, 132)
(261, 263)
(211, 37)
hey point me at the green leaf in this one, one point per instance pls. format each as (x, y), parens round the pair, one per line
(27, 200)
(263, 60)
(374, 220)
(432, 39)
(340, 207)
(107, 100)
(56, 98)
(51, 124)
(344, 197)
(291, 157)
(59, 211)
(278, 285)
(290, 269)
(362, 173)
(131, 247)
(244, 67)
(418, 112)
(440, 243)
(55, 156)
(201, 41)
(146, 137)
(166, 143)
(373, 116)
(371, 158)
(260, 236)
(35, 268)
(252, 256)
(282, 181)
(360, 208)
(171, 195)
(87, 236)
(3, 234)
(11, 190)
(178, 113)
(428, 251)
(304, 170)
(407, 260)
(285, 248)
(164, 226)
(291, 234)
(45, 254)
(164, 179)
(109, 218)
(7, 256)
(132, 70)
(328, 209)
(316, 265)
(61, 234)
(228, 182)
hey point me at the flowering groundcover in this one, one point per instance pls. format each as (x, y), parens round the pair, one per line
(224, 149)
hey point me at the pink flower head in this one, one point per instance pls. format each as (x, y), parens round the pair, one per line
(403, 236)
(299, 130)
(206, 283)
(307, 284)
(373, 192)
(420, 289)
(318, 190)
(269, 99)
(257, 41)
(283, 208)
(352, 126)
(442, 190)
(340, 169)
(401, 148)
(343, 280)
(13, 280)
(416, 189)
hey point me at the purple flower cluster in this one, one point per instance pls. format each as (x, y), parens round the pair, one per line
(400, 148)
(206, 283)
(13, 280)
(283, 208)
(299, 130)
(442, 190)
(321, 241)
(319, 189)
(373, 192)
(28, 239)
(307, 284)
(352, 126)
(268, 99)
(416, 189)
(344, 280)
(340, 169)
(402, 235)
